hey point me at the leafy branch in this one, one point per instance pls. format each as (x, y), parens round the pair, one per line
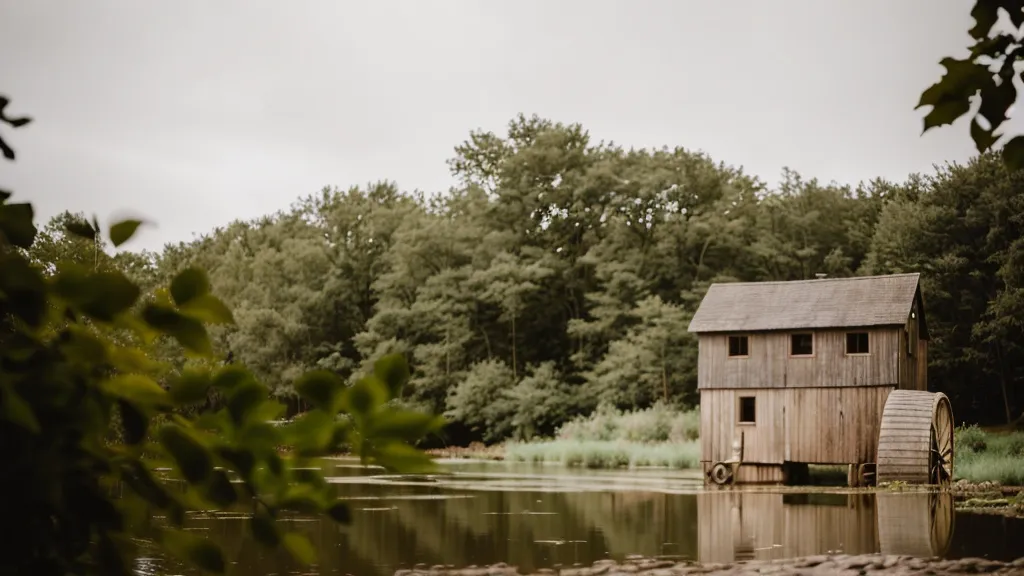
(986, 75)
(8, 152)
(73, 364)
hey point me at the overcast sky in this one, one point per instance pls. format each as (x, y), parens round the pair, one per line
(194, 113)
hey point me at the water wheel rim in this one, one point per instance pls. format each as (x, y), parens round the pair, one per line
(940, 469)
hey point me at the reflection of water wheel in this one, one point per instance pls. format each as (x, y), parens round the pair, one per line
(915, 524)
(915, 443)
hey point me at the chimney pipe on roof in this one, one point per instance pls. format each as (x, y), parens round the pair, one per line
(820, 275)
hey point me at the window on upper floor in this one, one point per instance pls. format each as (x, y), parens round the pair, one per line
(857, 343)
(801, 344)
(738, 347)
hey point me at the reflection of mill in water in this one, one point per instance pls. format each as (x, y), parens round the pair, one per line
(743, 541)
(737, 525)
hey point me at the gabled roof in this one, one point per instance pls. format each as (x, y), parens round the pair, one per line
(860, 301)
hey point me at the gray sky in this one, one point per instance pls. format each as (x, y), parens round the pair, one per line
(194, 113)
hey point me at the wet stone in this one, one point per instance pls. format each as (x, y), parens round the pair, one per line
(890, 561)
(987, 566)
(856, 563)
(810, 561)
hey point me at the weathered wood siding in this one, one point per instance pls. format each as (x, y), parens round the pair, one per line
(811, 425)
(834, 425)
(738, 525)
(922, 365)
(763, 441)
(754, 473)
(769, 364)
(908, 352)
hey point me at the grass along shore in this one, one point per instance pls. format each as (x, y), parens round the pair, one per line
(661, 436)
(609, 438)
(981, 456)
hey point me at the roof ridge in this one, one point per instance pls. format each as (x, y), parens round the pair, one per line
(810, 280)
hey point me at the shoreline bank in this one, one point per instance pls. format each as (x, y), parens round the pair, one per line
(986, 497)
(832, 564)
(475, 451)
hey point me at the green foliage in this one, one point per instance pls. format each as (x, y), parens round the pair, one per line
(961, 229)
(970, 439)
(483, 401)
(983, 456)
(654, 360)
(609, 438)
(562, 273)
(987, 73)
(659, 423)
(73, 366)
(59, 391)
(606, 454)
(122, 231)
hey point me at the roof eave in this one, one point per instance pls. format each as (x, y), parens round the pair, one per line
(747, 330)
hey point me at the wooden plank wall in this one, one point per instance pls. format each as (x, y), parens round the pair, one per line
(834, 425)
(763, 441)
(738, 525)
(754, 473)
(909, 362)
(812, 425)
(769, 364)
(922, 365)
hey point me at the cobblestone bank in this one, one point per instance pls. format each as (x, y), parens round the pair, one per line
(840, 565)
(989, 498)
(963, 487)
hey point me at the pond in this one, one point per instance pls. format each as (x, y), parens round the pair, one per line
(534, 517)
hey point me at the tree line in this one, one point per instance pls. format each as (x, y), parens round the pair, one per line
(561, 273)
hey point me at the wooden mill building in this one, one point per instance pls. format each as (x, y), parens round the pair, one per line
(799, 372)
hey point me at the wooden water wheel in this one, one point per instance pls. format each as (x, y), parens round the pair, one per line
(915, 524)
(915, 443)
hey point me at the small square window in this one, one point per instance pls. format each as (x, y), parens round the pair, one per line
(857, 343)
(738, 346)
(802, 345)
(748, 409)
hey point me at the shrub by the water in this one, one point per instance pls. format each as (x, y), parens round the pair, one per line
(981, 456)
(659, 423)
(606, 454)
(86, 413)
(608, 438)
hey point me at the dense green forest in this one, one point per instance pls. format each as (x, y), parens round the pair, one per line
(561, 273)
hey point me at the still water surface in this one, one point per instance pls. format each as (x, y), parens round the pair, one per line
(541, 516)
